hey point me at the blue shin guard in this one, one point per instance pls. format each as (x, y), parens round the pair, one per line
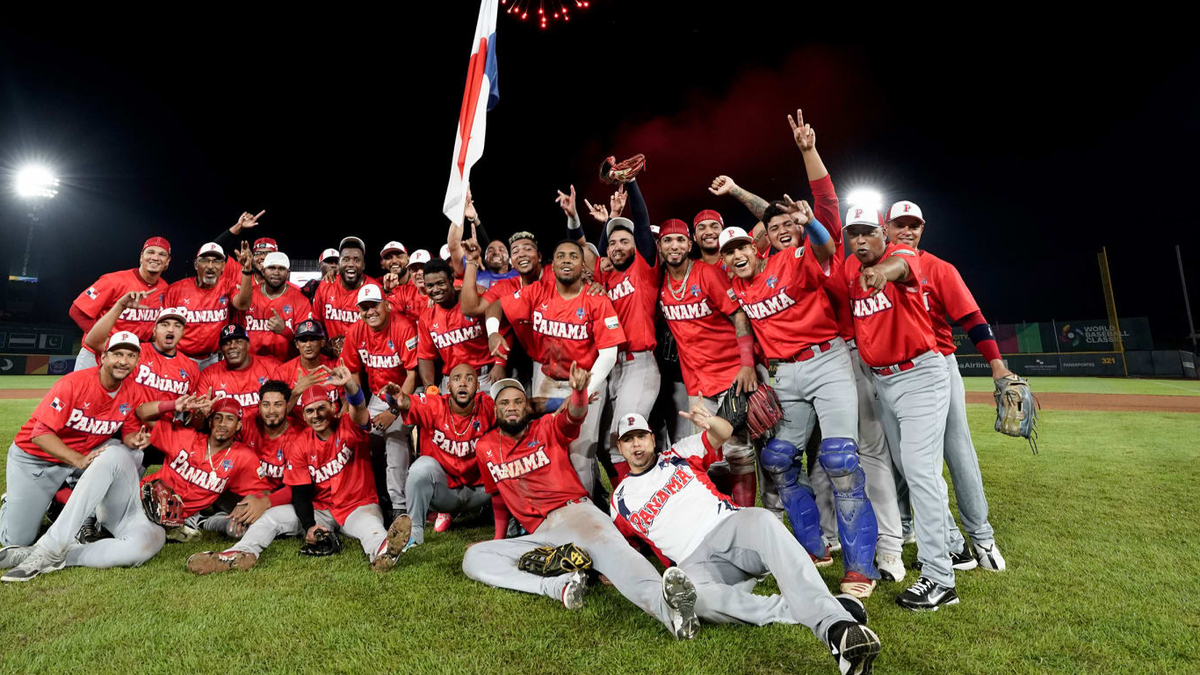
(857, 527)
(778, 459)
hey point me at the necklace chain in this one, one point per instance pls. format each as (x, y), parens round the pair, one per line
(678, 294)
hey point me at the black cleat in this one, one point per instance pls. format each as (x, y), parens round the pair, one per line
(962, 561)
(854, 606)
(927, 595)
(854, 647)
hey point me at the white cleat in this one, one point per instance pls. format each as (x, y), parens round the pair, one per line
(680, 595)
(36, 562)
(576, 588)
(11, 556)
(890, 566)
(989, 557)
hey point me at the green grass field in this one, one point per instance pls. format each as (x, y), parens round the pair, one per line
(1100, 531)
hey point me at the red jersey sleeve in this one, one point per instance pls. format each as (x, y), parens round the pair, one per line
(408, 337)
(952, 290)
(55, 409)
(295, 472)
(420, 411)
(245, 479)
(168, 438)
(908, 255)
(350, 357)
(717, 286)
(566, 429)
(605, 324)
(97, 298)
(425, 348)
(826, 208)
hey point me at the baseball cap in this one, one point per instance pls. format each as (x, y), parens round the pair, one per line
(172, 313)
(905, 208)
(393, 246)
(232, 332)
(353, 242)
(369, 293)
(731, 235)
(708, 214)
(265, 244)
(631, 422)
(419, 257)
(330, 253)
(857, 215)
(619, 221)
(673, 226)
(523, 234)
(314, 394)
(507, 382)
(656, 231)
(227, 404)
(211, 248)
(157, 241)
(309, 328)
(277, 259)
(444, 253)
(123, 338)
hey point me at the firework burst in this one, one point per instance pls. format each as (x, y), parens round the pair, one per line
(543, 11)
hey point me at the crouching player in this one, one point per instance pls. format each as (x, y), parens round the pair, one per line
(669, 502)
(333, 488)
(526, 468)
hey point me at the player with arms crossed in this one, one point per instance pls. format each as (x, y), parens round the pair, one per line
(527, 469)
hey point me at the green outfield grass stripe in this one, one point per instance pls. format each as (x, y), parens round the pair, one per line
(28, 381)
(1097, 385)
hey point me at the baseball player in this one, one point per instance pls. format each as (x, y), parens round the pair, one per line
(398, 283)
(444, 332)
(329, 471)
(697, 303)
(262, 247)
(336, 303)
(669, 502)
(527, 468)
(566, 325)
(947, 295)
(240, 373)
(494, 264)
(98, 298)
(382, 348)
(165, 372)
(208, 297)
(329, 267)
(895, 338)
(78, 416)
(275, 308)
(310, 368)
(446, 475)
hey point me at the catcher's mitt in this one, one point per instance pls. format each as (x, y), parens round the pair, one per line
(161, 504)
(1016, 409)
(551, 562)
(759, 410)
(612, 171)
(327, 543)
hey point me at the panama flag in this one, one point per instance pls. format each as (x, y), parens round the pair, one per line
(480, 96)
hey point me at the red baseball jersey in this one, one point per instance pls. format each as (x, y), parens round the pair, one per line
(338, 467)
(533, 473)
(452, 336)
(946, 295)
(893, 325)
(166, 377)
(506, 287)
(290, 373)
(450, 438)
(564, 330)
(97, 299)
(81, 412)
(243, 384)
(633, 293)
(197, 478)
(387, 355)
(208, 309)
(337, 307)
(786, 304)
(698, 316)
(271, 452)
(291, 306)
(828, 211)
(408, 300)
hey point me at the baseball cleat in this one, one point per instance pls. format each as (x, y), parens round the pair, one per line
(833, 545)
(182, 534)
(442, 523)
(854, 647)
(825, 561)
(11, 556)
(574, 590)
(680, 595)
(91, 531)
(908, 534)
(37, 561)
(989, 558)
(857, 585)
(211, 562)
(397, 538)
(854, 606)
(927, 595)
(412, 543)
(963, 560)
(890, 566)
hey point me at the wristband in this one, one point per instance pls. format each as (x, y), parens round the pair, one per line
(356, 399)
(579, 399)
(493, 325)
(247, 272)
(165, 407)
(553, 404)
(746, 350)
(816, 232)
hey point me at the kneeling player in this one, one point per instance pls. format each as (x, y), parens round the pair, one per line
(669, 502)
(526, 469)
(329, 471)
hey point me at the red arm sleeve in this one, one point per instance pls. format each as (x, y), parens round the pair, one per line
(281, 496)
(82, 320)
(826, 207)
(501, 515)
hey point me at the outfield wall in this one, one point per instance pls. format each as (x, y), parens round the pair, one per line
(1144, 363)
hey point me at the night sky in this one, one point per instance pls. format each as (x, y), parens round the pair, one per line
(1029, 142)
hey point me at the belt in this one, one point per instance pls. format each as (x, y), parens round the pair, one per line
(629, 356)
(581, 500)
(892, 370)
(805, 354)
(851, 344)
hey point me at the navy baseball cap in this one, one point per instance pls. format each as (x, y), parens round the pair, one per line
(309, 329)
(233, 332)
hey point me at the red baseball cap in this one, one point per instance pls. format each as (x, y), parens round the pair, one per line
(708, 214)
(314, 394)
(157, 241)
(265, 244)
(673, 226)
(227, 404)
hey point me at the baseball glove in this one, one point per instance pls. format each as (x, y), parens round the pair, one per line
(327, 543)
(1016, 409)
(161, 504)
(612, 171)
(550, 562)
(759, 410)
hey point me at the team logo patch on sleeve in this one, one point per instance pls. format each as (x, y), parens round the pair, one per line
(56, 404)
(612, 323)
(92, 292)
(410, 343)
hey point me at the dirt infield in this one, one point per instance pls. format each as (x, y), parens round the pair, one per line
(1106, 402)
(23, 393)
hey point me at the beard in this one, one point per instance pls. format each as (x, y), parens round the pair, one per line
(514, 428)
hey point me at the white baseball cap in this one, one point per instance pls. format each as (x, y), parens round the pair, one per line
(354, 242)
(211, 248)
(123, 338)
(905, 208)
(393, 246)
(631, 422)
(445, 252)
(172, 313)
(619, 221)
(330, 253)
(857, 215)
(732, 234)
(369, 293)
(277, 259)
(655, 230)
(419, 257)
(501, 385)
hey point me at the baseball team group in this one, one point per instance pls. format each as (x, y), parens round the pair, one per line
(609, 401)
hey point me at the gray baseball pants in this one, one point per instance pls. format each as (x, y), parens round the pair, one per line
(364, 524)
(397, 444)
(964, 465)
(428, 487)
(632, 388)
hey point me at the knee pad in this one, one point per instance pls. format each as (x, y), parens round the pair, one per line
(839, 458)
(778, 456)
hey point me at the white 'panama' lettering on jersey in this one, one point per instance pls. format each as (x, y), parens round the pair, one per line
(872, 305)
(520, 466)
(150, 379)
(620, 290)
(90, 425)
(260, 325)
(343, 315)
(453, 447)
(205, 480)
(141, 315)
(383, 361)
(559, 329)
(692, 310)
(457, 336)
(772, 305)
(245, 400)
(207, 316)
(333, 467)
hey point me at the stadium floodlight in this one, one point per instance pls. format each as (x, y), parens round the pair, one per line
(865, 198)
(35, 181)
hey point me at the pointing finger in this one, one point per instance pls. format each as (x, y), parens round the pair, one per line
(260, 214)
